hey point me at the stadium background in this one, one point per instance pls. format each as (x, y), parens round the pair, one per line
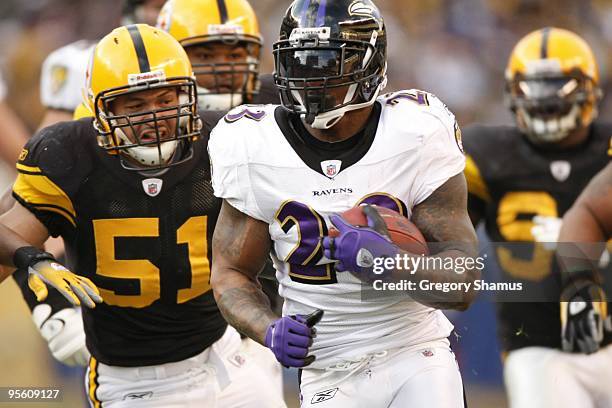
(456, 49)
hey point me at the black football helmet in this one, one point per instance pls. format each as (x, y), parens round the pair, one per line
(331, 58)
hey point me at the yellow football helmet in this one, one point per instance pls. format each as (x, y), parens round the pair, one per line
(197, 22)
(134, 59)
(552, 84)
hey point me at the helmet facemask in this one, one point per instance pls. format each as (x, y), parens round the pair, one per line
(156, 152)
(229, 84)
(322, 78)
(549, 108)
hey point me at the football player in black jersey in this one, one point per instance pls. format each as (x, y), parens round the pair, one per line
(63, 74)
(223, 42)
(129, 191)
(68, 343)
(521, 180)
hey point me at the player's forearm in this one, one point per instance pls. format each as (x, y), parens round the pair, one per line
(242, 303)
(10, 241)
(452, 267)
(581, 240)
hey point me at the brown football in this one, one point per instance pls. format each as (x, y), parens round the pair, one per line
(402, 231)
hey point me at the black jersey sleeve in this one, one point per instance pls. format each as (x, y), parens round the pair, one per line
(48, 175)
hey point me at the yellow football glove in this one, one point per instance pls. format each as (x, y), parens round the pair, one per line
(44, 270)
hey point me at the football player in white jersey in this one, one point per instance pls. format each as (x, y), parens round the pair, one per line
(285, 172)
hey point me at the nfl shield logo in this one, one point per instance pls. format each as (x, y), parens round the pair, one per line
(152, 186)
(331, 168)
(560, 170)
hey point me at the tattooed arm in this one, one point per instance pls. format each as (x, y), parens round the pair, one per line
(241, 245)
(444, 221)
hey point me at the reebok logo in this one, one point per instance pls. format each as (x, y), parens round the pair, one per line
(323, 396)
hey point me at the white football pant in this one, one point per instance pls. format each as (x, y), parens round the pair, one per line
(540, 377)
(222, 376)
(426, 376)
(265, 359)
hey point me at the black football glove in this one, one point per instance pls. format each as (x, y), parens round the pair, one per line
(584, 317)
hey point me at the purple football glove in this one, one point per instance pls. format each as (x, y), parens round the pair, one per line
(355, 248)
(290, 337)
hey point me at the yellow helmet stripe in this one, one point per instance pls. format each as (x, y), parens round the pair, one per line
(545, 38)
(222, 11)
(141, 51)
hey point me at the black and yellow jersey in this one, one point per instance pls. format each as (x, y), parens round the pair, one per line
(144, 239)
(509, 182)
(268, 93)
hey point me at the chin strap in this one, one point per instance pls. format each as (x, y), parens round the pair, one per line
(329, 119)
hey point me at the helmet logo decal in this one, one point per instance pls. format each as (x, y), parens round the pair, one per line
(361, 8)
(560, 170)
(321, 33)
(145, 77)
(543, 66)
(215, 29)
(152, 186)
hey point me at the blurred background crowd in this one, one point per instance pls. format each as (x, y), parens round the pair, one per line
(457, 49)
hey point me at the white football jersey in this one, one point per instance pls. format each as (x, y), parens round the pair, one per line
(63, 76)
(413, 148)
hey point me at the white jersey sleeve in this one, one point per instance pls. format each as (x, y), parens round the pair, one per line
(63, 76)
(229, 159)
(441, 156)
